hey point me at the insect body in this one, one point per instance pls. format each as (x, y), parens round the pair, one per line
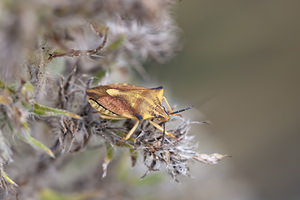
(123, 101)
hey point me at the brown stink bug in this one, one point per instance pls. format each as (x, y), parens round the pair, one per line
(123, 101)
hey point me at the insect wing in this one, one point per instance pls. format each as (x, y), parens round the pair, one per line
(127, 101)
(101, 101)
(145, 103)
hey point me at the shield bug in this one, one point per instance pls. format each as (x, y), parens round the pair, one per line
(123, 101)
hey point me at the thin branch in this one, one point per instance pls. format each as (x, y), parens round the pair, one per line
(75, 52)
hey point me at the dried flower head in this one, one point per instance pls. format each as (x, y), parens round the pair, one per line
(51, 52)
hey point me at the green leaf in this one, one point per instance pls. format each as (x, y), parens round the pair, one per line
(27, 88)
(108, 158)
(133, 156)
(38, 144)
(32, 141)
(109, 151)
(4, 175)
(10, 88)
(48, 111)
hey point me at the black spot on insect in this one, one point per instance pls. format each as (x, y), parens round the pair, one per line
(158, 88)
(138, 116)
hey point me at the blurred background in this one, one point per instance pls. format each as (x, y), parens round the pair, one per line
(239, 68)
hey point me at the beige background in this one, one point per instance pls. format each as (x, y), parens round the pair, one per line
(240, 68)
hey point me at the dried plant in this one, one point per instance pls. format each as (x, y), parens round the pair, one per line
(50, 54)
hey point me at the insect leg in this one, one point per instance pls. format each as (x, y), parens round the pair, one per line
(162, 130)
(129, 134)
(111, 117)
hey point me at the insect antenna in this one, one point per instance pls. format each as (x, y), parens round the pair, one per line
(179, 111)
